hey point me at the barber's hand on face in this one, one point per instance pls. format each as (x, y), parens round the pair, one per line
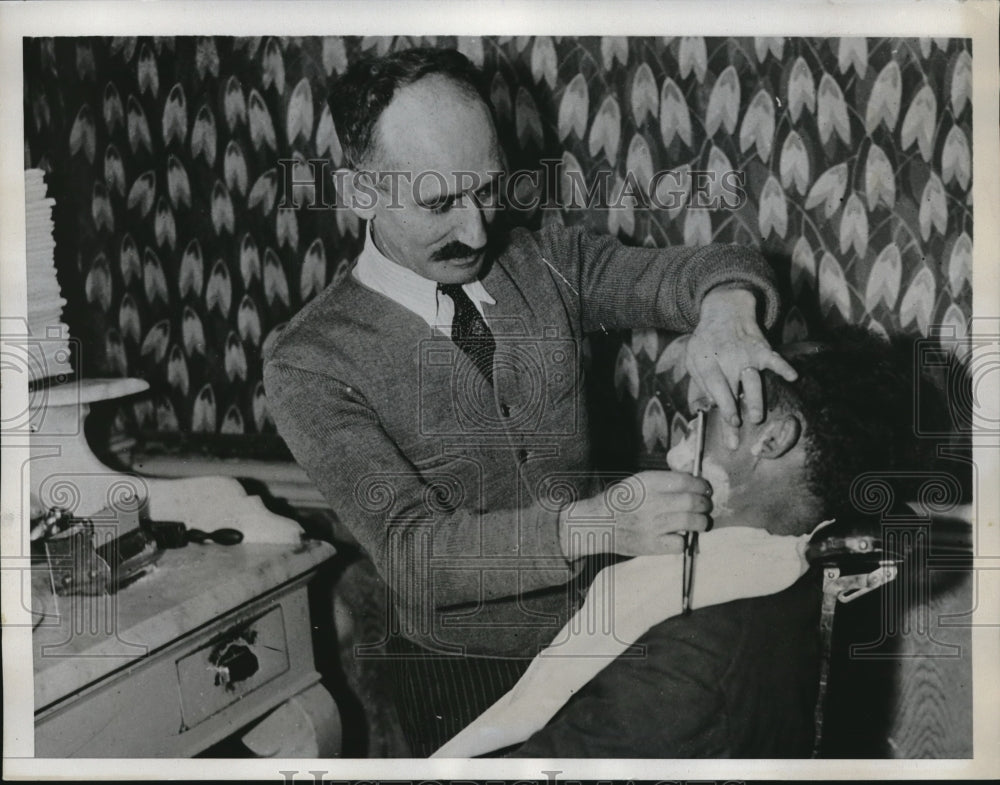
(726, 350)
(651, 507)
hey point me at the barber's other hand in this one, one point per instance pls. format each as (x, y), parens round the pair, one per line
(728, 349)
(649, 509)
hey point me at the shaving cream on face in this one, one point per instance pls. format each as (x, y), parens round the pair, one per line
(681, 459)
(718, 478)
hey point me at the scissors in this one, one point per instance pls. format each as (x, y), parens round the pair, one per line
(691, 538)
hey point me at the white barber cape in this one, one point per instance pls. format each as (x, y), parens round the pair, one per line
(623, 602)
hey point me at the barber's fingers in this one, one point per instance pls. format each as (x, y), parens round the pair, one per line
(775, 362)
(665, 505)
(715, 383)
(758, 353)
(753, 393)
(730, 434)
(750, 380)
(672, 543)
(666, 482)
(684, 522)
(715, 388)
(648, 540)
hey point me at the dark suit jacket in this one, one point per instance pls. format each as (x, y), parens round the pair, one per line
(452, 487)
(737, 680)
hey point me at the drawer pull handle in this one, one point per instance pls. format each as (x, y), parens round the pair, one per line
(220, 536)
(234, 664)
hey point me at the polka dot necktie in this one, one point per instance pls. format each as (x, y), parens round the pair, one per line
(469, 330)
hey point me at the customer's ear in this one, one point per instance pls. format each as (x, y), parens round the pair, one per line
(779, 433)
(356, 191)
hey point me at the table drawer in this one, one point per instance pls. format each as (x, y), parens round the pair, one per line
(231, 666)
(168, 705)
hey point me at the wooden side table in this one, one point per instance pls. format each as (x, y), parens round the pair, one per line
(213, 639)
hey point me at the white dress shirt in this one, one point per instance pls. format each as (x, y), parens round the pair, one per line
(412, 291)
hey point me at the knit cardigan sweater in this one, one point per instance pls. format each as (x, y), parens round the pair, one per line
(454, 486)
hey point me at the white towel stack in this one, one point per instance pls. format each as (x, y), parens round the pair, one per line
(45, 303)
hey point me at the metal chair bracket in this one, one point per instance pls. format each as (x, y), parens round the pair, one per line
(847, 588)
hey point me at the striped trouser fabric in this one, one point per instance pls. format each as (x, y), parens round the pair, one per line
(438, 695)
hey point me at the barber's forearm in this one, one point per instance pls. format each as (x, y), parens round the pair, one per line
(616, 286)
(572, 540)
(622, 286)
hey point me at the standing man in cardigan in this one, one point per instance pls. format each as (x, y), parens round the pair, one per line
(436, 396)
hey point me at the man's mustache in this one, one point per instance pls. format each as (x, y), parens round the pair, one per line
(455, 250)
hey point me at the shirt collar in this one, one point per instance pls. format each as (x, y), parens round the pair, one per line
(404, 286)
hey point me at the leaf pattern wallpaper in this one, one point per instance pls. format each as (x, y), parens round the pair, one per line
(180, 266)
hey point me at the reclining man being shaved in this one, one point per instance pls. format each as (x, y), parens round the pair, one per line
(738, 678)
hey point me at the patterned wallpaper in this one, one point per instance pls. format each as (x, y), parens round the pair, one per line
(179, 267)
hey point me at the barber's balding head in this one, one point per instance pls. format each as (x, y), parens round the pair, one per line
(359, 97)
(424, 158)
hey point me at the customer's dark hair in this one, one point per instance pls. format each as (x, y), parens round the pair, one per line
(856, 395)
(358, 98)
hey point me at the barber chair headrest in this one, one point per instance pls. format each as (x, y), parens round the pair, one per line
(861, 543)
